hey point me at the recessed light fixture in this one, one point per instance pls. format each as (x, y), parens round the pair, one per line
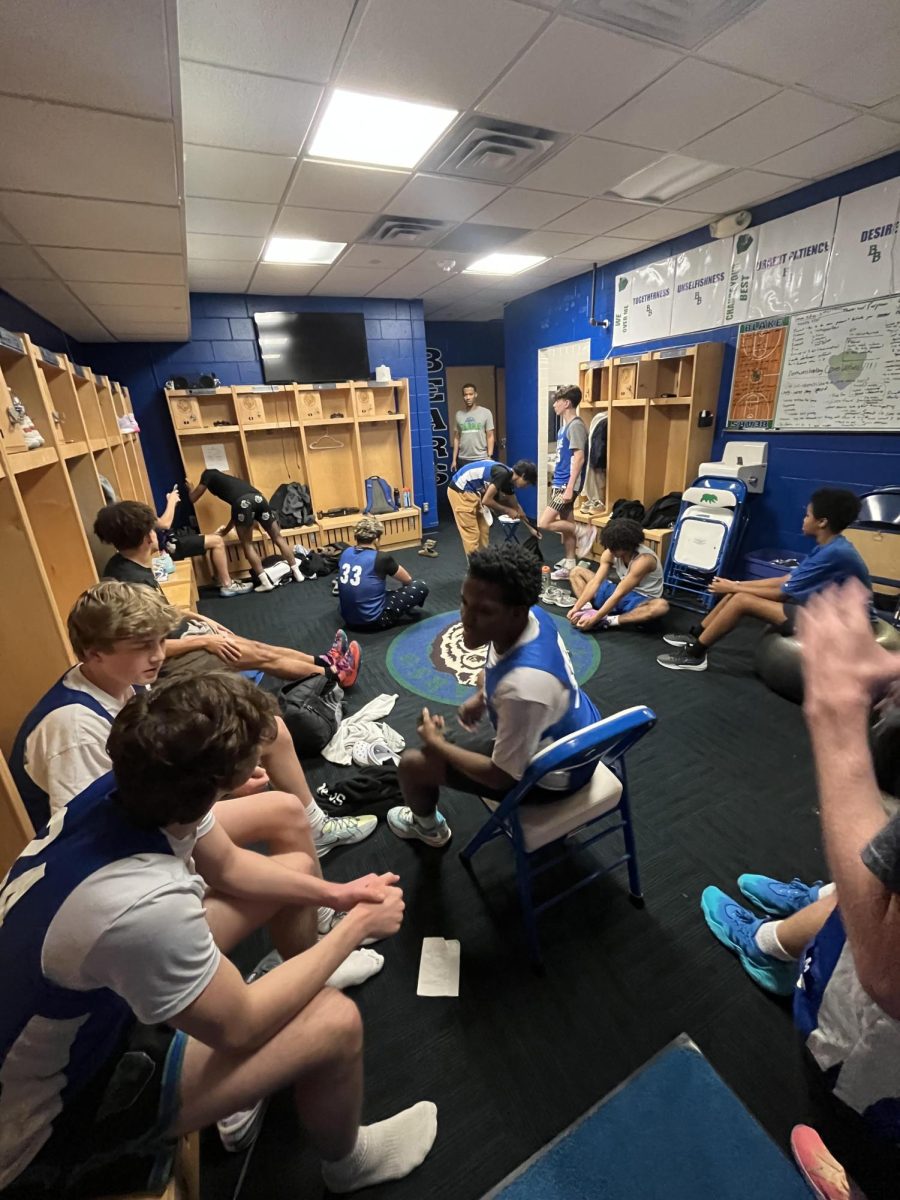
(504, 264)
(301, 250)
(667, 178)
(376, 130)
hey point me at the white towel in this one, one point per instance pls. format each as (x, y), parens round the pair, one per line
(367, 727)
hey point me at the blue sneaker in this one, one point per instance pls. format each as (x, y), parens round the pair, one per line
(779, 899)
(403, 823)
(736, 927)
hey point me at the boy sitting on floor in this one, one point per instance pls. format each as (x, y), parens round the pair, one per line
(130, 527)
(195, 545)
(124, 1026)
(363, 571)
(833, 559)
(634, 597)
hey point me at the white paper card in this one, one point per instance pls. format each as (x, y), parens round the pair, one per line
(439, 967)
(215, 458)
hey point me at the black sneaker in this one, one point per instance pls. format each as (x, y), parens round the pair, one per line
(690, 657)
(678, 639)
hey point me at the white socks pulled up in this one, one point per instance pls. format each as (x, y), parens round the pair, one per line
(386, 1150)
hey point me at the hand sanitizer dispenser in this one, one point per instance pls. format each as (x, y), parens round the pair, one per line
(741, 460)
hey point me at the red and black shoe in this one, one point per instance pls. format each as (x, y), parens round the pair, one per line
(348, 666)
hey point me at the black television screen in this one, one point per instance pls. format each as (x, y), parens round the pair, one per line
(312, 347)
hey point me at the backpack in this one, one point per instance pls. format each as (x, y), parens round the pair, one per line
(277, 569)
(312, 709)
(532, 545)
(663, 513)
(379, 497)
(315, 564)
(632, 509)
(291, 505)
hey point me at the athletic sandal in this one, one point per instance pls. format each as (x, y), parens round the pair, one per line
(819, 1167)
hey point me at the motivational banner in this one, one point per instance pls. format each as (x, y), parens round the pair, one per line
(621, 318)
(792, 261)
(437, 399)
(865, 260)
(740, 277)
(701, 284)
(652, 289)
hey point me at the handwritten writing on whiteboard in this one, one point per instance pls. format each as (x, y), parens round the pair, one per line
(842, 369)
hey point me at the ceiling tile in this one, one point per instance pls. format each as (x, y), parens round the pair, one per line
(774, 125)
(86, 153)
(221, 248)
(545, 241)
(867, 76)
(587, 167)
(6, 233)
(693, 98)
(392, 290)
(604, 249)
(21, 262)
(153, 332)
(393, 257)
(206, 275)
(660, 223)
(102, 224)
(108, 54)
(274, 279)
(341, 186)
(127, 294)
(245, 112)
(573, 75)
(738, 191)
(597, 216)
(54, 301)
(114, 266)
(295, 38)
(854, 142)
(525, 208)
(441, 198)
(434, 52)
(235, 174)
(349, 281)
(235, 217)
(890, 110)
(322, 223)
(140, 314)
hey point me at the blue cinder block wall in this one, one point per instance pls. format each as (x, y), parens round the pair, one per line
(798, 462)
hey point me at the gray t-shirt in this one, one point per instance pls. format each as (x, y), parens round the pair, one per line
(473, 426)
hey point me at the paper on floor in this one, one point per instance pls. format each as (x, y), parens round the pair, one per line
(439, 967)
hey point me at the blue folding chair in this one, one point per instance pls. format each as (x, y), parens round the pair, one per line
(533, 828)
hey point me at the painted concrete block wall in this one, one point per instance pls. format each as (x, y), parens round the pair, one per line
(19, 318)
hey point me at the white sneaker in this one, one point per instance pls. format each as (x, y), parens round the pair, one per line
(560, 573)
(264, 583)
(344, 831)
(235, 588)
(239, 1131)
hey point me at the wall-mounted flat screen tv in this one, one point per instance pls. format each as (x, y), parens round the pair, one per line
(312, 347)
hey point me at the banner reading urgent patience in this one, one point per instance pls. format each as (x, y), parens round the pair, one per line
(701, 283)
(650, 313)
(865, 260)
(792, 261)
(758, 361)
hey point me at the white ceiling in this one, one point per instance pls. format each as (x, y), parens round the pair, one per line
(126, 174)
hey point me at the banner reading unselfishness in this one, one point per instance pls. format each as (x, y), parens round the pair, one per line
(865, 259)
(701, 284)
(792, 261)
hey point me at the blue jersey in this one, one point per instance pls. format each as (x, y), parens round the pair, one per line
(834, 562)
(546, 652)
(53, 1039)
(35, 799)
(562, 467)
(362, 593)
(476, 476)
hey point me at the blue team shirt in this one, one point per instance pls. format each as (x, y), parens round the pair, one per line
(562, 468)
(361, 590)
(833, 562)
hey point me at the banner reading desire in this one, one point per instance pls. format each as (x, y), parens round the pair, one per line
(865, 260)
(701, 284)
(650, 314)
(792, 261)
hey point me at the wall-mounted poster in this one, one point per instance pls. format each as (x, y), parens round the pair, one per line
(865, 260)
(622, 312)
(758, 361)
(701, 283)
(792, 261)
(740, 277)
(650, 314)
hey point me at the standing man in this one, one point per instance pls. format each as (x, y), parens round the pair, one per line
(568, 475)
(473, 430)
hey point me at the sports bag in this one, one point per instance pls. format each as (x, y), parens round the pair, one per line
(663, 513)
(277, 569)
(312, 709)
(379, 497)
(632, 509)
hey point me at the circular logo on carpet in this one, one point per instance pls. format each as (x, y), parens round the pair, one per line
(431, 659)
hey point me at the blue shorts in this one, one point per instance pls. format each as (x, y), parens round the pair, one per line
(627, 604)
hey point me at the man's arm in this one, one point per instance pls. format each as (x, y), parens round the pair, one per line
(402, 575)
(195, 492)
(476, 766)
(167, 516)
(489, 433)
(590, 589)
(224, 530)
(455, 444)
(642, 566)
(843, 668)
(769, 589)
(576, 464)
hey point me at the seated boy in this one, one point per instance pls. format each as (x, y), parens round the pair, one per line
(248, 509)
(833, 559)
(528, 689)
(363, 571)
(195, 545)
(124, 1025)
(487, 484)
(130, 527)
(636, 593)
(119, 633)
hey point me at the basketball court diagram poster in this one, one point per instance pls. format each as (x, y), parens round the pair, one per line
(757, 371)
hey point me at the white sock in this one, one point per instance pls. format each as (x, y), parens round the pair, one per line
(768, 941)
(296, 572)
(826, 890)
(317, 818)
(387, 1150)
(357, 967)
(612, 621)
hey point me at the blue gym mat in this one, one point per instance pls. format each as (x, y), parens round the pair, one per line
(671, 1131)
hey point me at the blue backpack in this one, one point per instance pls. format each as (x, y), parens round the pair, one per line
(379, 497)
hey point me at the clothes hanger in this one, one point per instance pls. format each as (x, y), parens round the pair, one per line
(325, 442)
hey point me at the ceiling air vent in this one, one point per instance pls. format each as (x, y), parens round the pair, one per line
(404, 231)
(684, 23)
(491, 151)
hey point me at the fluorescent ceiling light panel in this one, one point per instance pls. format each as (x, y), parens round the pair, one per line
(504, 264)
(667, 178)
(356, 128)
(301, 250)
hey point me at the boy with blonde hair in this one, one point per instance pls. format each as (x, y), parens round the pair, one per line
(363, 572)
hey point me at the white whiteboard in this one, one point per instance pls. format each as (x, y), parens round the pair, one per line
(842, 369)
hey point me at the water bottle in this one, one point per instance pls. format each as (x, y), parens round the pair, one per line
(545, 582)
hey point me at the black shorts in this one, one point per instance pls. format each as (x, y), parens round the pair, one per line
(249, 508)
(482, 742)
(191, 545)
(790, 618)
(111, 1138)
